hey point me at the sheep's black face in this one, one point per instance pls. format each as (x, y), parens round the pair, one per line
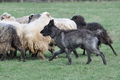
(45, 31)
(33, 17)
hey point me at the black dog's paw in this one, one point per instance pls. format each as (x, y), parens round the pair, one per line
(50, 59)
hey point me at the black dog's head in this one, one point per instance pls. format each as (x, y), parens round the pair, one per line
(48, 28)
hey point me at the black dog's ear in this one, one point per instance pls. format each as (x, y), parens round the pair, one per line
(51, 23)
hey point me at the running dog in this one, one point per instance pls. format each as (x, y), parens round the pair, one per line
(69, 40)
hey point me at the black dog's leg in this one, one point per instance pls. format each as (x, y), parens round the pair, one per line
(101, 55)
(68, 52)
(56, 53)
(76, 54)
(98, 49)
(103, 58)
(89, 57)
(83, 51)
(113, 49)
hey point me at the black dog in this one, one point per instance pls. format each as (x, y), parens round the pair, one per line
(69, 40)
(103, 38)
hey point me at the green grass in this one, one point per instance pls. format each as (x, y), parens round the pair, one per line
(106, 13)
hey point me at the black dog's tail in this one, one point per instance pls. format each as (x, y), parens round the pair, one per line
(97, 32)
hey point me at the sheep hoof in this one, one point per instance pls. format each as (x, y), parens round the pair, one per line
(24, 60)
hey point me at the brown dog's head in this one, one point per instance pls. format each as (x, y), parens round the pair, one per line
(79, 20)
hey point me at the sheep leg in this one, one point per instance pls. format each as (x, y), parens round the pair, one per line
(3, 57)
(52, 49)
(34, 55)
(113, 49)
(41, 55)
(22, 53)
(55, 54)
(13, 53)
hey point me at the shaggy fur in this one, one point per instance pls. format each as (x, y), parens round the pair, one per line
(64, 23)
(33, 40)
(104, 38)
(8, 17)
(69, 40)
(9, 39)
(19, 30)
(61, 23)
(18, 27)
(22, 20)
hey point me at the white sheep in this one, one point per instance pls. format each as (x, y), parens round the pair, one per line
(62, 23)
(11, 20)
(33, 40)
(19, 30)
(18, 26)
(7, 17)
(9, 39)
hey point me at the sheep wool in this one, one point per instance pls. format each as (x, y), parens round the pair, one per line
(33, 40)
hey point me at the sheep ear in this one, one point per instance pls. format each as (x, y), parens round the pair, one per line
(48, 14)
(8, 16)
(31, 16)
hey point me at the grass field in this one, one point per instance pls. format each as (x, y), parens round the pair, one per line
(106, 13)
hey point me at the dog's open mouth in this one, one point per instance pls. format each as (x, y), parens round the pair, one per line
(44, 34)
